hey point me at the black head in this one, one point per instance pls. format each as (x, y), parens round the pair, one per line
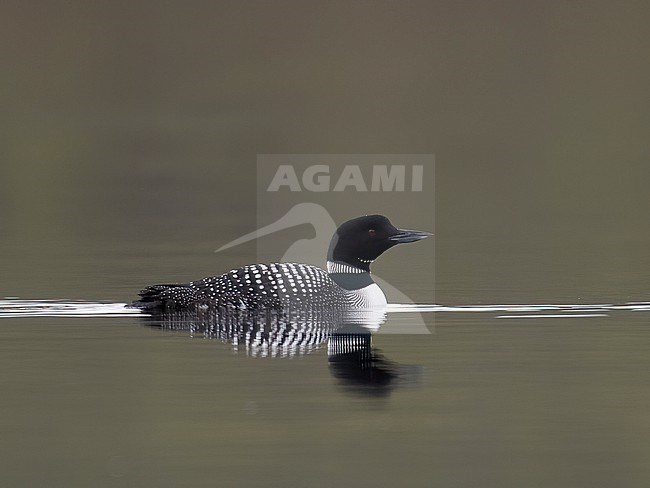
(360, 241)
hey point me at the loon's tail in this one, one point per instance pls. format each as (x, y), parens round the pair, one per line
(165, 296)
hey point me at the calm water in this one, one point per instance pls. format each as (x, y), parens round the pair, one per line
(106, 398)
(130, 132)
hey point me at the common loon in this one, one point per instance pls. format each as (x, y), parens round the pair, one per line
(347, 283)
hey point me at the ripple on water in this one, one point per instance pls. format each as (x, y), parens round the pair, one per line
(15, 307)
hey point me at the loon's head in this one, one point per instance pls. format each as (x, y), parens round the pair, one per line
(358, 242)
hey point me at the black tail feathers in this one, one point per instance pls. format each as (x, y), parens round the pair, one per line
(165, 296)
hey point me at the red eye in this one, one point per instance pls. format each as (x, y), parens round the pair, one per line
(372, 232)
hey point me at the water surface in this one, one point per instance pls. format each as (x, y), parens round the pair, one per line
(104, 396)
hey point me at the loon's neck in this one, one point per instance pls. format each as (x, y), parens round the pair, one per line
(341, 267)
(348, 277)
(364, 293)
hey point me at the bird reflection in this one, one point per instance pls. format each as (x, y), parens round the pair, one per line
(358, 366)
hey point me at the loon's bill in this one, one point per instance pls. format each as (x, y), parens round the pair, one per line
(346, 285)
(406, 236)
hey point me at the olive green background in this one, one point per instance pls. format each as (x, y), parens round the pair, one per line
(129, 134)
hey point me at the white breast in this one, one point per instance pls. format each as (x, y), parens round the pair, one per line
(370, 297)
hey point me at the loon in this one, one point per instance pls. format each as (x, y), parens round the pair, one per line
(347, 283)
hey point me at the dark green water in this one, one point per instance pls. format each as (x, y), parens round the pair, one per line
(109, 401)
(130, 133)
